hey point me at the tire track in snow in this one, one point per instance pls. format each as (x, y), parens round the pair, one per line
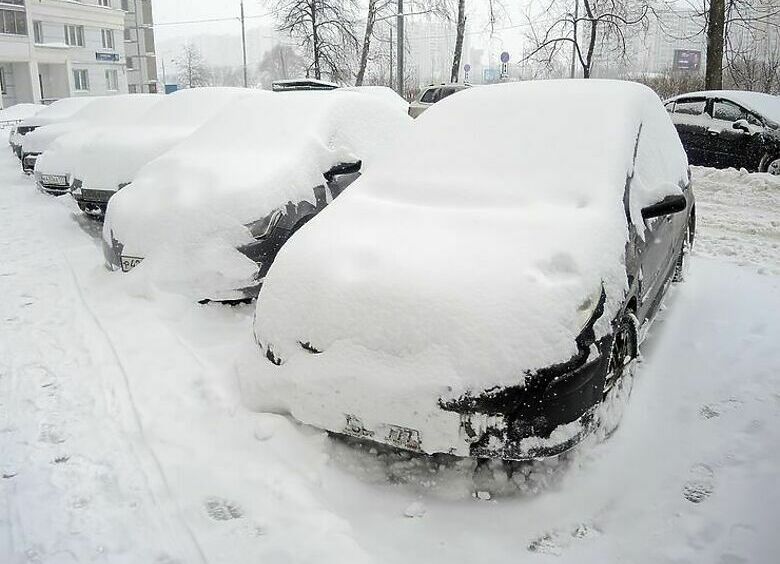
(136, 418)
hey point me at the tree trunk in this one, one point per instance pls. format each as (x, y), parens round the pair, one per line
(370, 18)
(459, 41)
(716, 27)
(315, 39)
(588, 66)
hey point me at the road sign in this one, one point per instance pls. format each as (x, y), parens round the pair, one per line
(467, 67)
(504, 57)
(687, 60)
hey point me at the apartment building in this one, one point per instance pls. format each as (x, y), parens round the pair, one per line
(140, 53)
(51, 49)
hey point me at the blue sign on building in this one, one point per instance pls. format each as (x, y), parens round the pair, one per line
(107, 57)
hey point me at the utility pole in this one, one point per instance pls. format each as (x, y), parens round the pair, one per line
(574, 35)
(400, 53)
(391, 57)
(138, 49)
(243, 42)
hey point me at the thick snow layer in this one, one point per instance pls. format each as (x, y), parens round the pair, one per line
(19, 112)
(766, 105)
(463, 260)
(123, 437)
(60, 110)
(185, 212)
(102, 111)
(105, 157)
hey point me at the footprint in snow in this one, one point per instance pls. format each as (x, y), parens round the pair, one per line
(50, 434)
(700, 485)
(556, 541)
(222, 510)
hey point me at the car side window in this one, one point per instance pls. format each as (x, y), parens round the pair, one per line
(727, 111)
(430, 96)
(669, 107)
(446, 92)
(690, 106)
(753, 119)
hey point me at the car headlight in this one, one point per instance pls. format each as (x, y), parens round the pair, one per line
(262, 227)
(588, 307)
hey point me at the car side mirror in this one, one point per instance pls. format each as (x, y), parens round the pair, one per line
(742, 125)
(343, 168)
(669, 205)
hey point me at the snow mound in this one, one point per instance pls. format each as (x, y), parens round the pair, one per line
(19, 112)
(472, 254)
(253, 158)
(106, 157)
(101, 111)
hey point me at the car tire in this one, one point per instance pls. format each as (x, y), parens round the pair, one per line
(681, 267)
(619, 379)
(770, 164)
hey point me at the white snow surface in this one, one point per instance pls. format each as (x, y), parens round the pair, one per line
(185, 212)
(104, 157)
(102, 111)
(433, 277)
(766, 105)
(60, 110)
(19, 112)
(125, 436)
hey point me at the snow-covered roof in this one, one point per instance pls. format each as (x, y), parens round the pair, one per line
(765, 104)
(464, 258)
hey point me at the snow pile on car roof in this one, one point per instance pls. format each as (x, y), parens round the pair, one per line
(105, 157)
(19, 112)
(61, 109)
(472, 254)
(248, 161)
(102, 112)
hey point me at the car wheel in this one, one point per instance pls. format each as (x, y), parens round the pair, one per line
(625, 349)
(774, 167)
(681, 268)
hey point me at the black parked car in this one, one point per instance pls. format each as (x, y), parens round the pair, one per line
(724, 128)
(468, 295)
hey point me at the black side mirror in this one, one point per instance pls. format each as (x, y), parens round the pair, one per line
(343, 168)
(669, 205)
(742, 125)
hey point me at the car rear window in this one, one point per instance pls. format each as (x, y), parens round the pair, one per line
(690, 106)
(430, 96)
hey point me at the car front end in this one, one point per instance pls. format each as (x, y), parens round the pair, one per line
(56, 184)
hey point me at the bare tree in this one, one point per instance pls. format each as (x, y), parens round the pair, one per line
(325, 29)
(193, 71)
(605, 24)
(460, 30)
(280, 63)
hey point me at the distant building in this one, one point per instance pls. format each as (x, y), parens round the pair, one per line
(431, 46)
(140, 52)
(51, 49)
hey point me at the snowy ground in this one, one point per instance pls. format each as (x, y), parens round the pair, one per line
(123, 437)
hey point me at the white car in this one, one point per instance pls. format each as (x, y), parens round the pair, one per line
(470, 295)
(100, 160)
(432, 94)
(58, 111)
(103, 111)
(207, 218)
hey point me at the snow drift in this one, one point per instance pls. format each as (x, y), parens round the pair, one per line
(472, 254)
(186, 212)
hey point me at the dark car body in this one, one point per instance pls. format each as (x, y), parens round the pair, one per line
(724, 129)
(21, 130)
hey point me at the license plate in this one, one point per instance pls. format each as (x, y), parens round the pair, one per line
(54, 180)
(101, 196)
(403, 437)
(129, 263)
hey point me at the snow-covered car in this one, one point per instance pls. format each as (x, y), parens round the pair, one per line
(470, 295)
(208, 217)
(729, 128)
(101, 160)
(104, 111)
(58, 111)
(11, 116)
(432, 94)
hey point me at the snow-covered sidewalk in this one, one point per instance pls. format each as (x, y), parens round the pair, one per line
(124, 438)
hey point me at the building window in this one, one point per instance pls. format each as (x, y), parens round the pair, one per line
(74, 35)
(81, 80)
(112, 80)
(107, 38)
(13, 22)
(132, 88)
(38, 32)
(104, 3)
(128, 37)
(128, 5)
(2, 81)
(129, 63)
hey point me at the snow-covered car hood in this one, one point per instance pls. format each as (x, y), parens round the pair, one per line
(41, 139)
(472, 255)
(191, 204)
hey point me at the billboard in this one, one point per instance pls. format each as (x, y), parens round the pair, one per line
(687, 60)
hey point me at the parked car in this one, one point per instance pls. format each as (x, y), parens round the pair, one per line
(100, 160)
(58, 111)
(104, 111)
(432, 94)
(469, 295)
(12, 116)
(207, 218)
(729, 128)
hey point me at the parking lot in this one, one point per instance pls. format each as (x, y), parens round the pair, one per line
(129, 429)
